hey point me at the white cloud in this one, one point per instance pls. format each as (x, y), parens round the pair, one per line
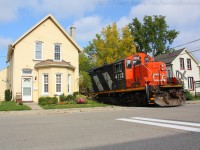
(10, 9)
(63, 8)
(88, 27)
(183, 17)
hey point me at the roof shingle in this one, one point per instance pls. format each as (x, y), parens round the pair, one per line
(51, 63)
(168, 57)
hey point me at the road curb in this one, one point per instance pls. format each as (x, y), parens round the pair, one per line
(63, 111)
(193, 102)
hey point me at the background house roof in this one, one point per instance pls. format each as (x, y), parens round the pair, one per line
(168, 57)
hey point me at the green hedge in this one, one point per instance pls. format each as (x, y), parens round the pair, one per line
(47, 100)
(8, 95)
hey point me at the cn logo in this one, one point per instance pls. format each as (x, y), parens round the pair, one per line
(181, 75)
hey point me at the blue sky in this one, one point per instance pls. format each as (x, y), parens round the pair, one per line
(90, 16)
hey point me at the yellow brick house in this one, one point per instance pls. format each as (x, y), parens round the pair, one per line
(44, 61)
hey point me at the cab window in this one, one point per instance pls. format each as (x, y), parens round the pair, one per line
(146, 59)
(128, 63)
(118, 67)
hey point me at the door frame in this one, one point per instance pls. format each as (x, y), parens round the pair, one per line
(30, 99)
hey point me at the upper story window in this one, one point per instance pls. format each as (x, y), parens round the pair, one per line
(182, 67)
(38, 50)
(189, 66)
(57, 52)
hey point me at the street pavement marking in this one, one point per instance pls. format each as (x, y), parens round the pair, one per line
(161, 124)
(169, 121)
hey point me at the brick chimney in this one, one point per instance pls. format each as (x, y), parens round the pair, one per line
(72, 31)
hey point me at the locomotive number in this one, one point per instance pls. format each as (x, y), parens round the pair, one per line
(119, 76)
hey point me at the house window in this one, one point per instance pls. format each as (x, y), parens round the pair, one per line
(182, 67)
(57, 52)
(189, 67)
(38, 50)
(58, 83)
(190, 83)
(45, 84)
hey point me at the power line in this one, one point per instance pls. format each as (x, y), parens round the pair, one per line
(178, 54)
(186, 43)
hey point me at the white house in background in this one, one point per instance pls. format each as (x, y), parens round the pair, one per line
(183, 65)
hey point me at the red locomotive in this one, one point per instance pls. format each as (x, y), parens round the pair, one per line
(136, 80)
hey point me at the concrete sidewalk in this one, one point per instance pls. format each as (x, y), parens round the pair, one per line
(62, 111)
(33, 106)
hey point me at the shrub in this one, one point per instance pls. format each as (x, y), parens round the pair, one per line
(20, 103)
(55, 100)
(75, 94)
(8, 95)
(189, 96)
(47, 100)
(70, 97)
(81, 99)
(62, 97)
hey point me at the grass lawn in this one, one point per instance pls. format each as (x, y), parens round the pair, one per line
(90, 103)
(12, 106)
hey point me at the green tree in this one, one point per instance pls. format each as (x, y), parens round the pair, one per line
(112, 44)
(84, 82)
(153, 35)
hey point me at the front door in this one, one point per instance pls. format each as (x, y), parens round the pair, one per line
(27, 89)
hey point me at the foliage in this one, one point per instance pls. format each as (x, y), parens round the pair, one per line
(71, 104)
(48, 100)
(75, 93)
(62, 97)
(111, 45)
(20, 103)
(81, 99)
(84, 82)
(12, 106)
(70, 97)
(85, 62)
(8, 95)
(189, 96)
(153, 35)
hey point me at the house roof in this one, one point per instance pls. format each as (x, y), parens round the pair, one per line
(168, 57)
(51, 63)
(11, 46)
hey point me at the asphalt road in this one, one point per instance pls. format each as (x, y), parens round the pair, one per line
(104, 130)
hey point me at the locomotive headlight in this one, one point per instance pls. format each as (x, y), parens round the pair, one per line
(162, 66)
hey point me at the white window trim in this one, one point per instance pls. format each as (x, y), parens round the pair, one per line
(58, 93)
(45, 93)
(69, 84)
(35, 50)
(60, 51)
(191, 83)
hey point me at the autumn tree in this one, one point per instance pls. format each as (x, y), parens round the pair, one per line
(153, 36)
(112, 44)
